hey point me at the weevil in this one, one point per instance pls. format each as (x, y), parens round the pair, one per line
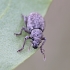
(35, 26)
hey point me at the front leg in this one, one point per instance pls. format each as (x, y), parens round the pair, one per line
(23, 28)
(27, 37)
(42, 50)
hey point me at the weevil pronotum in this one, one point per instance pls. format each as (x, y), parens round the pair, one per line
(34, 27)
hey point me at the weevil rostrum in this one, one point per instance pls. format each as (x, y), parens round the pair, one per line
(35, 26)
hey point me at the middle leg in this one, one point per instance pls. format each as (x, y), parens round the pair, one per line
(23, 28)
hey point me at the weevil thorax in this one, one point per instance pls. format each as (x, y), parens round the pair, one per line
(36, 36)
(35, 21)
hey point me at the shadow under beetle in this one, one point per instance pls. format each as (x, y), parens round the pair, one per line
(35, 27)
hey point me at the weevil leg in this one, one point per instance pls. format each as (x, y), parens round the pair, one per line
(23, 28)
(27, 37)
(19, 32)
(26, 30)
(25, 19)
(29, 47)
(41, 49)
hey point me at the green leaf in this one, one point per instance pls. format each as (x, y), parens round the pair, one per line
(10, 23)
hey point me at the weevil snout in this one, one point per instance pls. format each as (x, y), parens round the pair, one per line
(35, 44)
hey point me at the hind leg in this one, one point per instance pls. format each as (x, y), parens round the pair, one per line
(25, 19)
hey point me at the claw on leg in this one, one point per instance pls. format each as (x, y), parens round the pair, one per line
(20, 49)
(18, 33)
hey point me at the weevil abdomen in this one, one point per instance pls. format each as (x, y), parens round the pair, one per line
(35, 21)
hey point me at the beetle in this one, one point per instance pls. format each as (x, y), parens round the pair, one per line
(35, 26)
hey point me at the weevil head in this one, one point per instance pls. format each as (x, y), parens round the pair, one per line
(34, 44)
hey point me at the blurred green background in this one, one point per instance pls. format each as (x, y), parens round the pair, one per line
(57, 46)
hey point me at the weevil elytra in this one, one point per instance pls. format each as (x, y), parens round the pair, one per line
(34, 27)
